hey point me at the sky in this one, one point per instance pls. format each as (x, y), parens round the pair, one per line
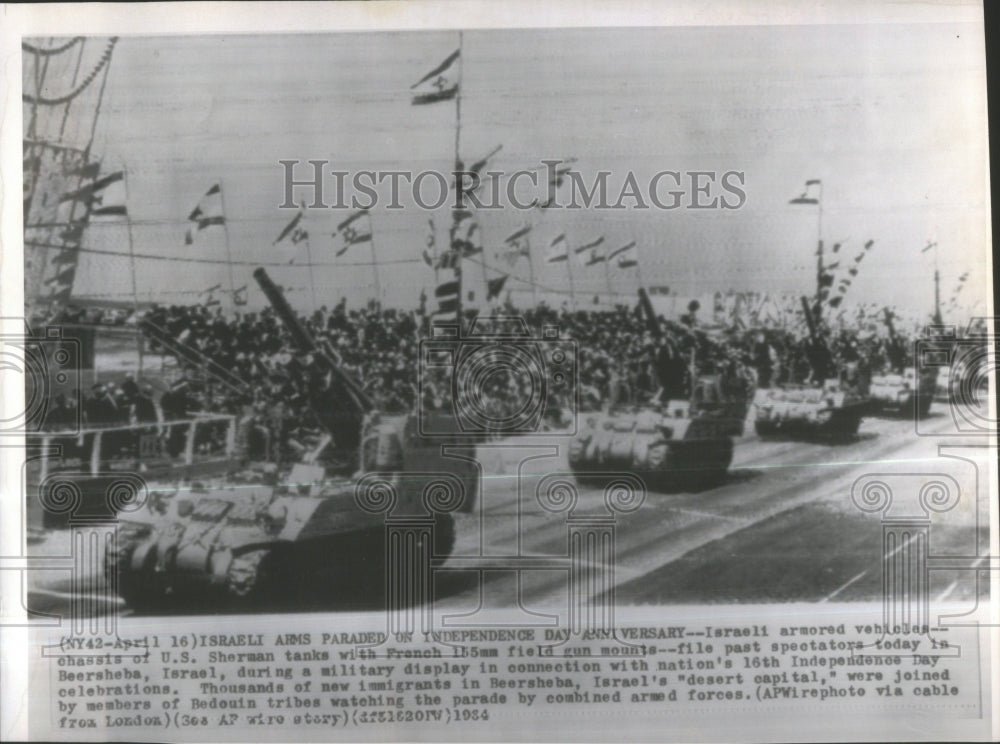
(891, 118)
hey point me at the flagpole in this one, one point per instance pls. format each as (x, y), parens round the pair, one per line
(458, 100)
(433, 236)
(486, 281)
(371, 243)
(229, 254)
(819, 253)
(458, 140)
(485, 272)
(312, 280)
(937, 289)
(569, 273)
(531, 273)
(607, 278)
(131, 257)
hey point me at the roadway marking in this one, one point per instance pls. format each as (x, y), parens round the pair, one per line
(842, 587)
(56, 594)
(618, 569)
(951, 587)
(709, 515)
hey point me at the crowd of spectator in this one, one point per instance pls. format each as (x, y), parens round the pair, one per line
(106, 405)
(621, 359)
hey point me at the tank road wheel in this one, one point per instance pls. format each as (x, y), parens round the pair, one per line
(844, 429)
(249, 576)
(141, 588)
(444, 535)
(722, 457)
(703, 463)
(765, 429)
(402, 570)
(577, 451)
(658, 457)
(113, 562)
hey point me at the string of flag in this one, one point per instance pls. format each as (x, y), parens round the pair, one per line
(354, 230)
(440, 84)
(626, 255)
(558, 250)
(293, 230)
(811, 193)
(101, 197)
(518, 245)
(953, 301)
(207, 213)
(843, 279)
(84, 84)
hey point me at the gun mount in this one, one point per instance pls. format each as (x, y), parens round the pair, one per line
(830, 407)
(817, 351)
(308, 537)
(652, 322)
(903, 389)
(341, 405)
(674, 442)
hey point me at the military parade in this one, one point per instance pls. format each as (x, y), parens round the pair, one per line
(251, 445)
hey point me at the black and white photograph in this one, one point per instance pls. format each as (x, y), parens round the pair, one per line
(443, 371)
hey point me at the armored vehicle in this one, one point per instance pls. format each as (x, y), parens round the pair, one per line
(903, 389)
(831, 408)
(306, 537)
(677, 443)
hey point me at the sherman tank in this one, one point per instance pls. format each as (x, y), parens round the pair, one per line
(831, 409)
(304, 537)
(905, 393)
(966, 359)
(679, 443)
(903, 390)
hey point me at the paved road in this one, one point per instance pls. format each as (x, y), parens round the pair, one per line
(781, 527)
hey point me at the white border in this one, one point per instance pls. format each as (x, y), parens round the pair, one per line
(275, 18)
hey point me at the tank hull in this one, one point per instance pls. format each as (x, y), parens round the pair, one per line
(342, 572)
(908, 394)
(809, 412)
(258, 548)
(667, 452)
(82, 471)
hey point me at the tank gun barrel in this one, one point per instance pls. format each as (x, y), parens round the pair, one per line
(819, 355)
(890, 325)
(810, 320)
(343, 389)
(303, 341)
(652, 324)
